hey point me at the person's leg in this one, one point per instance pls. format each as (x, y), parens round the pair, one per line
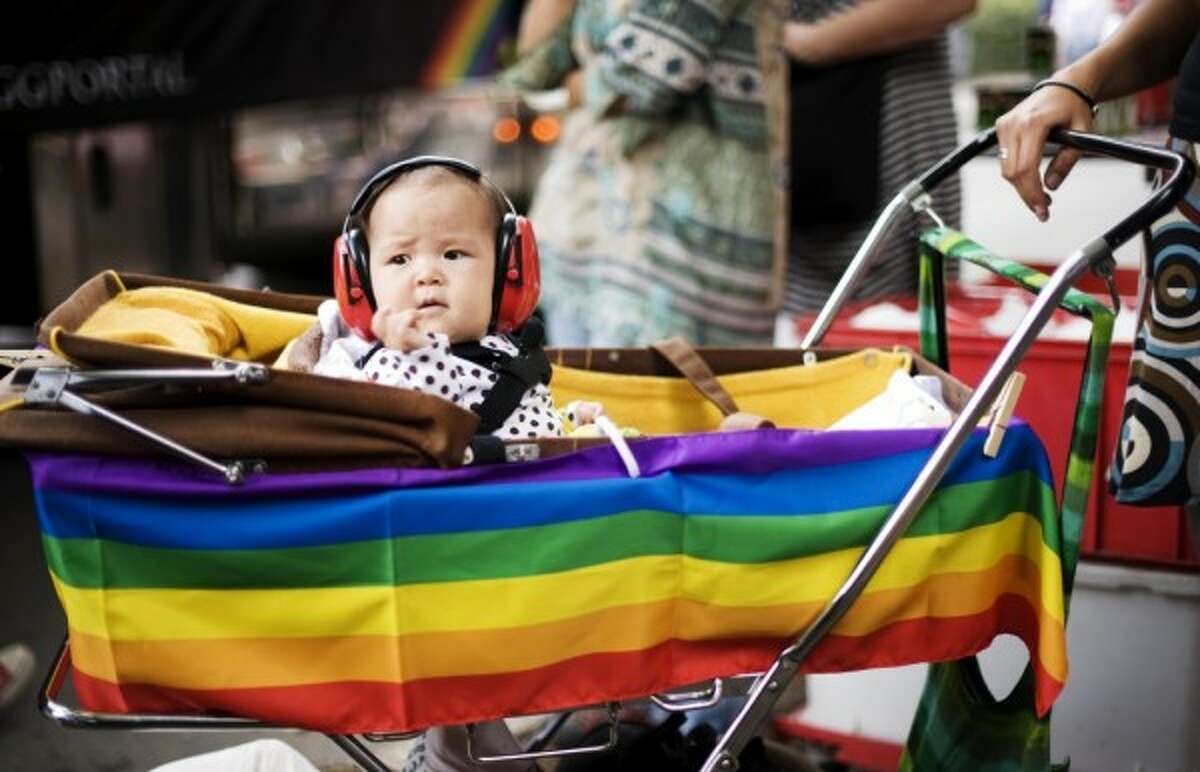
(444, 749)
(16, 671)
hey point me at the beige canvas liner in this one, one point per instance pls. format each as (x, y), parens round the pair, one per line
(302, 421)
(296, 420)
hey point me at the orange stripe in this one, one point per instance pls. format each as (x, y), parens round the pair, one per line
(366, 706)
(296, 661)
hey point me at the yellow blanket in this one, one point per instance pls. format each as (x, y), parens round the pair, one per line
(196, 323)
(809, 396)
(804, 396)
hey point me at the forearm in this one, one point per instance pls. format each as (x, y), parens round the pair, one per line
(872, 27)
(539, 19)
(1146, 49)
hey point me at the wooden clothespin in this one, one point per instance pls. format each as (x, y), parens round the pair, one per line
(1002, 413)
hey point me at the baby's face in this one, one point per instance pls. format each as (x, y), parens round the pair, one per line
(432, 243)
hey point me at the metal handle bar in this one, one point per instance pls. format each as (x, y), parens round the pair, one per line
(915, 196)
(1160, 158)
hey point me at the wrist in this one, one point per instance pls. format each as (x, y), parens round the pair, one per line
(1086, 75)
(1076, 92)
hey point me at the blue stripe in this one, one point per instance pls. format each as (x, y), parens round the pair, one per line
(233, 523)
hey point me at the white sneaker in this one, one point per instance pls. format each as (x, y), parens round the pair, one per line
(16, 671)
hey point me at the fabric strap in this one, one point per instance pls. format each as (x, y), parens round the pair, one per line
(689, 363)
(515, 374)
(692, 366)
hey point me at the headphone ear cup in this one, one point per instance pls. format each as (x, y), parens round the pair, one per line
(351, 283)
(522, 276)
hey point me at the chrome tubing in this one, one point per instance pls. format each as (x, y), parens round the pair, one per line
(1095, 253)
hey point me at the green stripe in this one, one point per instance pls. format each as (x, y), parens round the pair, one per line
(96, 563)
(955, 245)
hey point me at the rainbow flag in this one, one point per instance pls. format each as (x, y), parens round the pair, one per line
(470, 41)
(395, 599)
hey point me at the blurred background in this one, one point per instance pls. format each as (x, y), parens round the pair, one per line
(223, 144)
(222, 141)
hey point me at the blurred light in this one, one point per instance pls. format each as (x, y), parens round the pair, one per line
(545, 128)
(291, 150)
(506, 130)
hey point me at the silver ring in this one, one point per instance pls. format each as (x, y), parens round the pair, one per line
(1002, 153)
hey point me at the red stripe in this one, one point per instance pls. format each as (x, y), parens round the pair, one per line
(355, 707)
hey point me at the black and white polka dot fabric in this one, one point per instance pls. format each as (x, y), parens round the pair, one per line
(434, 370)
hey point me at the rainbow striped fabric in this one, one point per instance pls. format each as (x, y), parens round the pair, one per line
(397, 599)
(469, 44)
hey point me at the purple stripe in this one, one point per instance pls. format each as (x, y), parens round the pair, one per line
(751, 452)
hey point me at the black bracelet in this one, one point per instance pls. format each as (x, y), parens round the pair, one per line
(1076, 90)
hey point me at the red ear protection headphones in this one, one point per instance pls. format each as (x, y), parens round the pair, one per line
(517, 281)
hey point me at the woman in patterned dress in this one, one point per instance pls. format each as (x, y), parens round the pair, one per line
(659, 212)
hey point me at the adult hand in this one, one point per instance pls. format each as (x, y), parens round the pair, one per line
(1022, 133)
(398, 329)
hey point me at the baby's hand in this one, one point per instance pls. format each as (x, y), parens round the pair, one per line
(398, 329)
(585, 412)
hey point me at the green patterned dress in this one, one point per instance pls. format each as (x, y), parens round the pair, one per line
(657, 213)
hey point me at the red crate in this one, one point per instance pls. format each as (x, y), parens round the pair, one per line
(1053, 369)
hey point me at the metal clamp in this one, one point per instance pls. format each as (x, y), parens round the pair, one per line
(681, 702)
(924, 205)
(1104, 268)
(52, 386)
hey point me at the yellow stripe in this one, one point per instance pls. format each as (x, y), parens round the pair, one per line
(473, 605)
(499, 603)
(368, 610)
(511, 603)
(292, 661)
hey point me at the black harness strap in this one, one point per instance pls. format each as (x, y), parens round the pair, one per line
(515, 374)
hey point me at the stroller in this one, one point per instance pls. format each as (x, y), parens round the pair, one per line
(348, 574)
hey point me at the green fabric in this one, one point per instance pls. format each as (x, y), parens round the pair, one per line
(104, 563)
(959, 724)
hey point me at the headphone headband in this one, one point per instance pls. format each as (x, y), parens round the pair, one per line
(382, 178)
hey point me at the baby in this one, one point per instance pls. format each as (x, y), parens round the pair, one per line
(433, 273)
